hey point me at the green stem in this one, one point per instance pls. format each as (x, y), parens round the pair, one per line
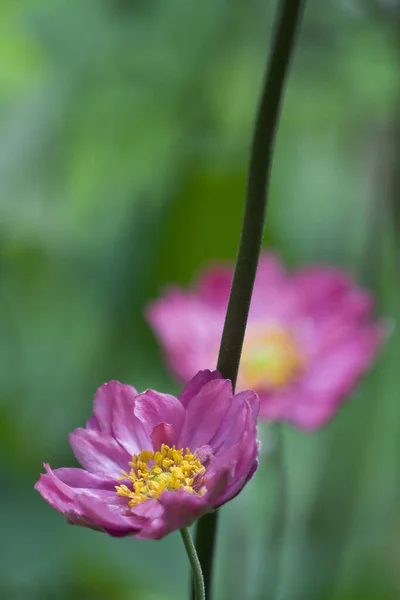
(277, 535)
(198, 582)
(288, 20)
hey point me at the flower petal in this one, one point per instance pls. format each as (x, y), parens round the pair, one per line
(180, 509)
(98, 452)
(163, 433)
(79, 478)
(153, 408)
(214, 286)
(241, 459)
(270, 271)
(92, 423)
(110, 513)
(272, 298)
(127, 429)
(326, 291)
(277, 406)
(54, 492)
(331, 377)
(196, 384)
(205, 412)
(310, 415)
(337, 370)
(104, 402)
(231, 429)
(113, 415)
(189, 330)
(61, 487)
(150, 509)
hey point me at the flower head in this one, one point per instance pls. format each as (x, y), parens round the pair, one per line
(310, 336)
(154, 463)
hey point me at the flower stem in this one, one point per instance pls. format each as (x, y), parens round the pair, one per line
(287, 23)
(277, 535)
(198, 582)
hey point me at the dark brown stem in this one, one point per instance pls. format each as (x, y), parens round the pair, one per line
(287, 24)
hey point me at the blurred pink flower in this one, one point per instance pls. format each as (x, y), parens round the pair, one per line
(310, 337)
(155, 463)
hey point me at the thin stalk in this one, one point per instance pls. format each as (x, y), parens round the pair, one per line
(197, 575)
(277, 534)
(287, 23)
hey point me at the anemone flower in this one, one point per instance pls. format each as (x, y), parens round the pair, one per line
(153, 463)
(310, 337)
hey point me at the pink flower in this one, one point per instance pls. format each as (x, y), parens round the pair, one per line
(309, 337)
(155, 463)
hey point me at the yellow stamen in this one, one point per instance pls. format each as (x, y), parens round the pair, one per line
(271, 358)
(153, 473)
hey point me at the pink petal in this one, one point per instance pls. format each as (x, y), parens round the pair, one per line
(196, 384)
(310, 415)
(272, 297)
(60, 487)
(205, 412)
(54, 493)
(92, 423)
(99, 453)
(111, 514)
(243, 460)
(113, 415)
(238, 484)
(163, 433)
(153, 408)
(328, 291)
(153, 526)
(79, 478)
(337, 371)
(104, 402)
(277, 406)
(214, 286)
(270, 271)
(251, 398)
(232, 427)
(217, 483)
(204, 453)
(180, 509)
(127, 429)
(321, 284)
(189, 330)
(150, 509)
(331, 377)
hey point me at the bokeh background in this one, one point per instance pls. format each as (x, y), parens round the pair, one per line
(124, 136)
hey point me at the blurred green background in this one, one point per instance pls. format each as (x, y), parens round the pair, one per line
(124, 135)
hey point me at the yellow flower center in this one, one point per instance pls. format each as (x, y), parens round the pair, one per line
(271, 358)
(153, 473)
